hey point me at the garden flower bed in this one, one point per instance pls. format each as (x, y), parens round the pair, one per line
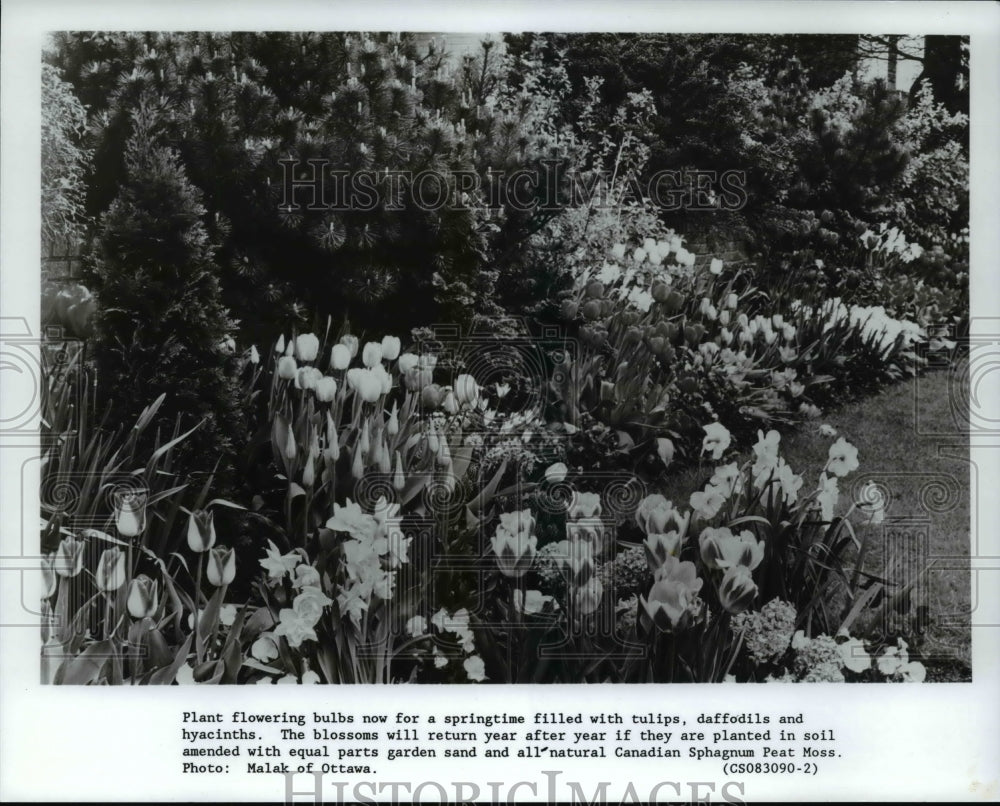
(615, 461)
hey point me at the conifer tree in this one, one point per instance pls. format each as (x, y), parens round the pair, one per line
(162, 326)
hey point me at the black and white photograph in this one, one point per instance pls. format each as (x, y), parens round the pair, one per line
(510, 356)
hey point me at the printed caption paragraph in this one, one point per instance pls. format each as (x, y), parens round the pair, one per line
(333, 742)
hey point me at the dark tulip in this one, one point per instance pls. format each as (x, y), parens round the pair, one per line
(591, 310)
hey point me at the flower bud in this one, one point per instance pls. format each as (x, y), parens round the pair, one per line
(340, 356)
(130, 514)
(279, 345)
(201, 530)
(69, 556)
(50, 579)
(372, 354)
(142, 597)
(595, 289)
(287, 367)
(450, 404)
(665, 450)
(111, 569)
(254, 355)
(306, 347)
(291, 449)
(392, 424)
(390, 348)
(221, 567)
(398, 480)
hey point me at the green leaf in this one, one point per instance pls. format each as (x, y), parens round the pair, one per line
(86, 667)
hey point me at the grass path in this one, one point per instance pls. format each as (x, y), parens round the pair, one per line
(907, 443)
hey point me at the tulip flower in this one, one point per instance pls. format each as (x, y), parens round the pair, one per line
(514, 544)
(407, 361)
(351, 343)
(660, 546)
(431, 396)
(369, 386)
(466, 390)
(390, 348)
(372, 354)
(721, 549)
(221, 568)
(50, 579)
(340, 356)
(325, 390)
(450, 404)
(737, 589)
(69, 556)
(392, 424)
(306, 347)
(111, 569)
(291, 449)
(279, 345)
(674, 589)
(287, 368)
(655, 513)
(201, 530)
(588, 596)
(665, 450)
(142, 597)
(384, 378)
(130, 514)
(556, 473)
(584, 505)
(307, 378)
(254, 355)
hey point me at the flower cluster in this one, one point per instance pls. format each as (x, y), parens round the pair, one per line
(767, 632)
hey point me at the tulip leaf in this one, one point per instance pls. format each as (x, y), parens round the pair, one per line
(85, 668)
(294, 491)
(176, 441)
(232, 655)
(97, 534)
(167, 675)
(223, 502)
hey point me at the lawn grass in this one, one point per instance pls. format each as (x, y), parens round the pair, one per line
(927, 479)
